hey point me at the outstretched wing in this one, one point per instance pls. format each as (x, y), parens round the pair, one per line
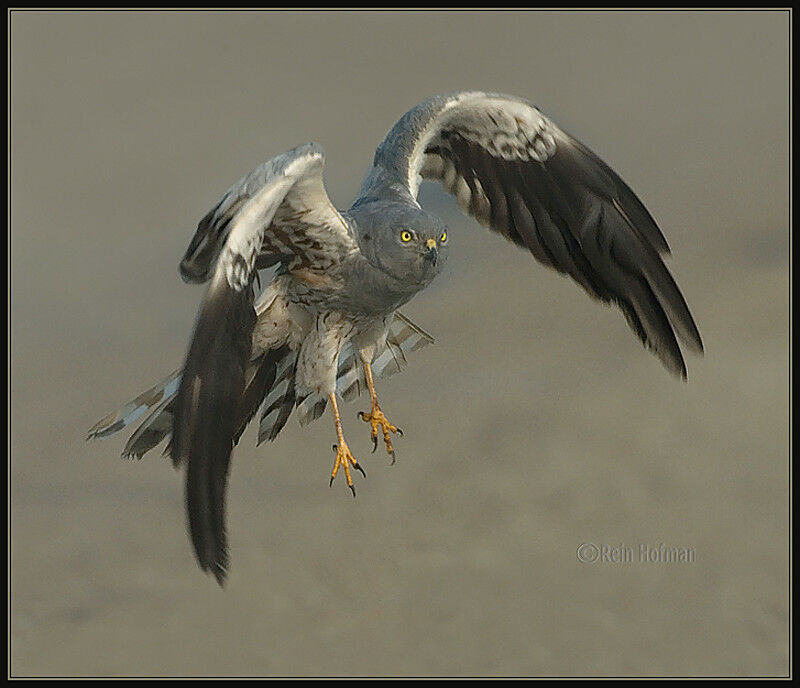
(517, 173)
(281, 210)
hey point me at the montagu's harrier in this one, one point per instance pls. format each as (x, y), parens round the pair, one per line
(328, 323)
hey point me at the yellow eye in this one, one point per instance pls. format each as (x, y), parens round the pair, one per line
(405, 235)
(443, 238)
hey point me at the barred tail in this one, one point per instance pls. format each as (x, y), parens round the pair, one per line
(279, 397)
(270, 379)
(273, 371)
(156, 425)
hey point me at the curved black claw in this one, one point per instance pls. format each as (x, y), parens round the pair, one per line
(394, 458)
(399, 432)
(353, 490)
(374, 443)
(357, 466)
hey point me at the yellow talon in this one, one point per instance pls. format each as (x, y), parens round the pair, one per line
(344, 459)
(376, 418)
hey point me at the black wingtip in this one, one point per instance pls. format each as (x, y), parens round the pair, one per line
(205, 418)
(214, 563)
(695, 342)
(220, 573)
(206, 510)
(198, 262)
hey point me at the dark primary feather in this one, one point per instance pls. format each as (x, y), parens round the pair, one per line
(205, 415)
(573, 213)
(200, 258)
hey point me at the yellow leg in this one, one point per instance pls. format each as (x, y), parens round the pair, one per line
(376, 417)
(344, 459)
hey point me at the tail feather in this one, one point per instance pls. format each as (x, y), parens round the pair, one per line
(162, 391)
(404, 338)
(205, 407)
(155, 427)
(280, 399)
(350, 380)
(157, 404)
(270, 381)
(262, 380)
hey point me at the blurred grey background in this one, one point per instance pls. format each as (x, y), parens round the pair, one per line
(537, 422)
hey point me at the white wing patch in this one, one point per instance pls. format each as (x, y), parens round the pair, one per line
(505, 127)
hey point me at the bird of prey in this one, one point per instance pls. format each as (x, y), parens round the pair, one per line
(327, 323)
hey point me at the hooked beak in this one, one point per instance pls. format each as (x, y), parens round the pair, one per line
(432, 254)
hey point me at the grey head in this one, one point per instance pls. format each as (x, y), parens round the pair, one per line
(407, 243)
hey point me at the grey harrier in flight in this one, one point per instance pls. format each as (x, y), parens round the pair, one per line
(328, 324)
